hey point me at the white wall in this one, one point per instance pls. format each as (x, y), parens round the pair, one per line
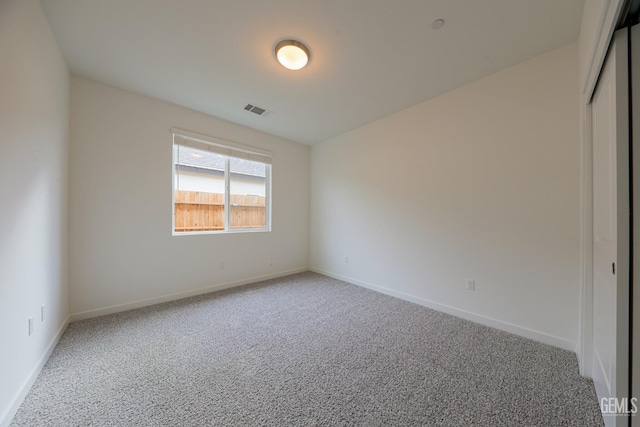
(192, 181)
(479, 183)
(34, 122)
(121, 248)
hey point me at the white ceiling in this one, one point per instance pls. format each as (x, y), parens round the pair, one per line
(370, 58)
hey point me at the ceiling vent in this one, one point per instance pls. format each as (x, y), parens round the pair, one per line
(263, 112)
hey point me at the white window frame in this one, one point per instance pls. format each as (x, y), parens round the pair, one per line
(227, 149)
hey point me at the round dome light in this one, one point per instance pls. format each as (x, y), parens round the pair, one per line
(292, 54)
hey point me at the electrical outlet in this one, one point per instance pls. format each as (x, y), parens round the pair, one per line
(346, 260)
(30, 326)
(471, 285)
(222, 266)
(43, 311)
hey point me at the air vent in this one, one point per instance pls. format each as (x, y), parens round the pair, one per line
(257, 110)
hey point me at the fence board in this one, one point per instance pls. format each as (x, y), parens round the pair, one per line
(201, 211)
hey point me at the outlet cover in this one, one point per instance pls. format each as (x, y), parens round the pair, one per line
(471, 285)
(30, 326)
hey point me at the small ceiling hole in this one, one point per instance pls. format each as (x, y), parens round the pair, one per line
(437, 24)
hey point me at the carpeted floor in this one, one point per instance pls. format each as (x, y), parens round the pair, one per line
(304, 350)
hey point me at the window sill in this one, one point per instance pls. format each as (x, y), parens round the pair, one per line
(233, 231)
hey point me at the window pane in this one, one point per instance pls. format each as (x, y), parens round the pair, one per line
(199, 190)
(248, 184)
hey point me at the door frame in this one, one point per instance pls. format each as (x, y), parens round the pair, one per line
(634, 71)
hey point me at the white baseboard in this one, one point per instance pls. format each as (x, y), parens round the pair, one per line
(473, 317)
(10, 412)
(179, 295)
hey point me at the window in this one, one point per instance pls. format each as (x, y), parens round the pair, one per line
(219, 186)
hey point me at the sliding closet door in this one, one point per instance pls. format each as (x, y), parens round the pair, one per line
(611, 229)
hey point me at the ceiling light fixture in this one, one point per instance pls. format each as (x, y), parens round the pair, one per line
(292, 54)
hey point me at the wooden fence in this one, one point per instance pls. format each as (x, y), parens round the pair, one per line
(199, 211)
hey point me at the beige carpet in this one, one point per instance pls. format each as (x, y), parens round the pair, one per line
(303, 350)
